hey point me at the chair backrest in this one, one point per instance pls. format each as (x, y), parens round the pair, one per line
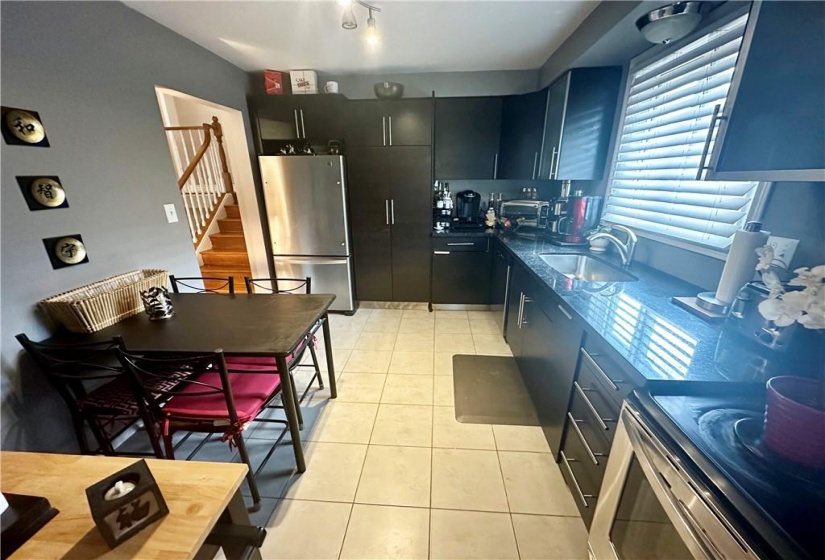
(158, 378)
(68, 366)
(216, 284)
(278, 285)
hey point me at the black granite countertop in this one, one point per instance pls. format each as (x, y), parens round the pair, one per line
(661, 341)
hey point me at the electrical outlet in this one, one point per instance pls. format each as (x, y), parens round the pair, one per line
(783, 250)
(171, 213)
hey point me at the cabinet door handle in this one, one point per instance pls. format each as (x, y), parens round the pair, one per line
(535, 164)
(520, 309)
(565, 313)
(595, 367)
(392, 211)
(441, 252)
(390, 127)
(552, 161)
(717, 116)
(384, 129)
(387, 211)
(582, 496)
(574, 423)
(303, 128)
(495, 167)
(297, 126)
(526, 299)
(590, 406)
(459, 244)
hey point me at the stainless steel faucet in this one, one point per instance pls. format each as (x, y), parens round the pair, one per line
(626, 249)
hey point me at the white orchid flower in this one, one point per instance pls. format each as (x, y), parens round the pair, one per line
(775, 310)
(766, 256)
(809, 278)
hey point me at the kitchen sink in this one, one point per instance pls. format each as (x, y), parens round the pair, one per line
(587, 269)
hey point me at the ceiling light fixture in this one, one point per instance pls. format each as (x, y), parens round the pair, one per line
(670, 23)
(348, 19)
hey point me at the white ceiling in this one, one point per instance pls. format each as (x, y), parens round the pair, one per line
(418, 36)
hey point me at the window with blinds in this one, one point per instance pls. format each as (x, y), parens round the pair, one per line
(667, 117)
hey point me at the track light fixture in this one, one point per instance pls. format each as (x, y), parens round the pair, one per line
(348, 21)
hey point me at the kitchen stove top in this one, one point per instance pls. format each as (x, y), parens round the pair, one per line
(719, 430)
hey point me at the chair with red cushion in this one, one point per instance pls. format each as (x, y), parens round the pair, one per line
(208, 399)
(92, 383)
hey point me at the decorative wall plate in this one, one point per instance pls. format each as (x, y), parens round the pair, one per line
(43, 192)
(66, 250)
(23, 127)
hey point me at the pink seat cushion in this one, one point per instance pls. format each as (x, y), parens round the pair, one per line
(250, 390)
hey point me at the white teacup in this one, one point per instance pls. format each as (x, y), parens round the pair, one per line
(331, 87)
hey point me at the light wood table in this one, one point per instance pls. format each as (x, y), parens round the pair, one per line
(197, 495)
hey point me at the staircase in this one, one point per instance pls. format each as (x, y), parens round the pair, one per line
(228, 256)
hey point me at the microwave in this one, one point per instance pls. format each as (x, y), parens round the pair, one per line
(530, 213)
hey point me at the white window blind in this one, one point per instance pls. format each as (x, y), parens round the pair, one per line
(667, 115)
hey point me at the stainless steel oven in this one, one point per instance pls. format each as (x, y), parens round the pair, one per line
(651, 506)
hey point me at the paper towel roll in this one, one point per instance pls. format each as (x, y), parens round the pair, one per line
(741, 263)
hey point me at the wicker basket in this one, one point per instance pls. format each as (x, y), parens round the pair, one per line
(103, 303)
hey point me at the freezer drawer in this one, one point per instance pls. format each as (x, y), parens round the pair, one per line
(330, 275)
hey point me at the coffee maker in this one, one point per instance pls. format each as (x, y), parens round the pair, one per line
(582, 216)
(467, 207)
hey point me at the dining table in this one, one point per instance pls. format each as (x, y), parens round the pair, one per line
(259, 325)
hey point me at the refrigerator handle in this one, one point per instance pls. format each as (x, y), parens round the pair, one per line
(390, 121)
(297, 127)
(303, 128)
(387, 211)
(384, 129)
(392, 211)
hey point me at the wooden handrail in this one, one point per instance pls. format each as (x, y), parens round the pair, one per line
(198, 155)
(227, 177)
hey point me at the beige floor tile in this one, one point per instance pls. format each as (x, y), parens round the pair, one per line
(485, 326)
(286, 531)
(450, 314)
(443, 391)
(332, 473)
(368, 361)
(491, 345)
(542, 537)
(417, 363)
(376, 341)
(387, 532)
(449, 432)
(443, 363)
(382, 324)
(387, 313)
(520, 438)
(420, 315)
(345, 340)
(426, 326)
(403, 425)
(468, 480)
(395, 476)
(459, 535)
(414, 342)
(482, 315)
(408, 389)
(360, 387)
(535, 485)
(451, 326)
(344, 422)
(352, 323)
(458, 343)
(339, 355)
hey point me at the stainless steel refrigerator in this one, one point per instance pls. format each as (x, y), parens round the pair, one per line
(306, 208)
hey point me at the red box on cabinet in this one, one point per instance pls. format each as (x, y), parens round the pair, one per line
(274, 82)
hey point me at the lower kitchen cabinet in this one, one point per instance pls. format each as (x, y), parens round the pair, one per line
(461, 270)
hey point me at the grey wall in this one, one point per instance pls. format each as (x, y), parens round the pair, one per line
(90, 69)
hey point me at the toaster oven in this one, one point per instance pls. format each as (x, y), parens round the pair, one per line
(528, 213)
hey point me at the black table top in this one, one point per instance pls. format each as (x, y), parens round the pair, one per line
(249, 324)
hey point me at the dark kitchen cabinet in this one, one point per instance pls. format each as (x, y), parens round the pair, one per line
(389, 193)
(461, 270)
(773, 125)
(515, 306)
(522, 124)
(407, 122)
(581, 107)
(500, 275)
(467, 135)
(297, 117)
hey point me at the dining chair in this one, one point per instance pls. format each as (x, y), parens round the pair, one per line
(208, 399)
(209, 284)
(287, 286)
(91, 382)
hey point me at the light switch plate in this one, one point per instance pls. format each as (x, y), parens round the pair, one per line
(783, 250)
(171, 213)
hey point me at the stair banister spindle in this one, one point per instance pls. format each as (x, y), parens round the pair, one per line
(193, 181)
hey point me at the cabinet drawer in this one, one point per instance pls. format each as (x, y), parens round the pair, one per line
(616, 384)
(459, 244)
(583, 425)
(597, 403)
(583, 478)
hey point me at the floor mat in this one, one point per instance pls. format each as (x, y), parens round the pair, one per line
(489, 390)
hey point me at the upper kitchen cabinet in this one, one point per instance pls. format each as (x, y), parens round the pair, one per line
(298, 117)
(522, 124)
(467, 131)
(774, 129)
(581, 107)
(373, 123)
